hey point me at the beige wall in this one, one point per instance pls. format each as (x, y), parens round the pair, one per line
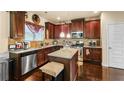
(107, 18)
(4, 31)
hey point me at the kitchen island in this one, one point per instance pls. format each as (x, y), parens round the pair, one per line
(69, 57)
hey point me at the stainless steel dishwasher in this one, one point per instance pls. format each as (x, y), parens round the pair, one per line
(28, 63)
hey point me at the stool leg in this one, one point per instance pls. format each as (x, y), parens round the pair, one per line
(43, 78)
(63, 75)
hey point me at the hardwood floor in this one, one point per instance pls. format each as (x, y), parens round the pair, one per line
(88, 72)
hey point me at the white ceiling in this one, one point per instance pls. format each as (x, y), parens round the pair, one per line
(65, 15)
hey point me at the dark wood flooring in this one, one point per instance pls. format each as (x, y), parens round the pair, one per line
(88, 72)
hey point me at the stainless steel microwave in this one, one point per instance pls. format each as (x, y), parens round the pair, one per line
(76, 35)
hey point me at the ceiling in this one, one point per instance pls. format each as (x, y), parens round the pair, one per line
(65, 15)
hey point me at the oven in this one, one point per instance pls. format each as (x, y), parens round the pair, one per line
(79, 47)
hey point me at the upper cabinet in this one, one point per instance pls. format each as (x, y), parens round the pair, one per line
(17, 24)
(49, 30)
(77, 25)
(92, 29)
(57, 31)
(66, 28)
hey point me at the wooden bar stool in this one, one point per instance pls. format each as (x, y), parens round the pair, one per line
(54, 69)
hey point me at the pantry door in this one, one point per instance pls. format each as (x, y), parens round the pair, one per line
(116, 45)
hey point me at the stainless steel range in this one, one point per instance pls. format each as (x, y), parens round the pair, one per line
(79, 46)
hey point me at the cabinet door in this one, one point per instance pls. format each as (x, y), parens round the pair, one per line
(51, 35)
(17, 22)
(93, 55)
(97, 54)
(50, 29)
(46, 54)
(47, 51)
(77, 25)
(40, 58)
(65, 29)
(57, 31)
(92, 29)
(87, 30)
(97, 29)
(87, 54)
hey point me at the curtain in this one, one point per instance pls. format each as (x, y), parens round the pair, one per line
(34, 28)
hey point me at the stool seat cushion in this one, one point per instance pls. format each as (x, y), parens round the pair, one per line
(52, 68)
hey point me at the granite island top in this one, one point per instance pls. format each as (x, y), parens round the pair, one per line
(66, 53)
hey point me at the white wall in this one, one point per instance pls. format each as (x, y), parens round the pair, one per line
(107, 18)
(4, 31)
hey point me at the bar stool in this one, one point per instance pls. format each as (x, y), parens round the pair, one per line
(54, 69)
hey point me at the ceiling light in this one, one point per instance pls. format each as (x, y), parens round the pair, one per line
(68, 35)
(58, 18)
(62, 35)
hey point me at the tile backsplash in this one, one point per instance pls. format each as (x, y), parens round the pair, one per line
(13, 41)
(36, 44)
(73, 41)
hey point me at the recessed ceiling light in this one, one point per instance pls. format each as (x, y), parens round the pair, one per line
(58, 18)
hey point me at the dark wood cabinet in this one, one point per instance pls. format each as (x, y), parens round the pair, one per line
(57, 31)
(17, 24)
(93, 55)
(92, 29)
(66, 28)
(40, 57)
(46, 52)
(77, 25)
(87, 31)
(49, 30)
(50, 50)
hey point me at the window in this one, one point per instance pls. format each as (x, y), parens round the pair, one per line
(34, 32)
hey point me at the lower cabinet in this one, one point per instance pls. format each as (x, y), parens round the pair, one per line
(46, 52)
(42, 57)
(93, 55)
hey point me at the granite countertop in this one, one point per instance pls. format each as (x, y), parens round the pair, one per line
(30, 49)
(67, 53)
(93, 46)
(23, 51)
